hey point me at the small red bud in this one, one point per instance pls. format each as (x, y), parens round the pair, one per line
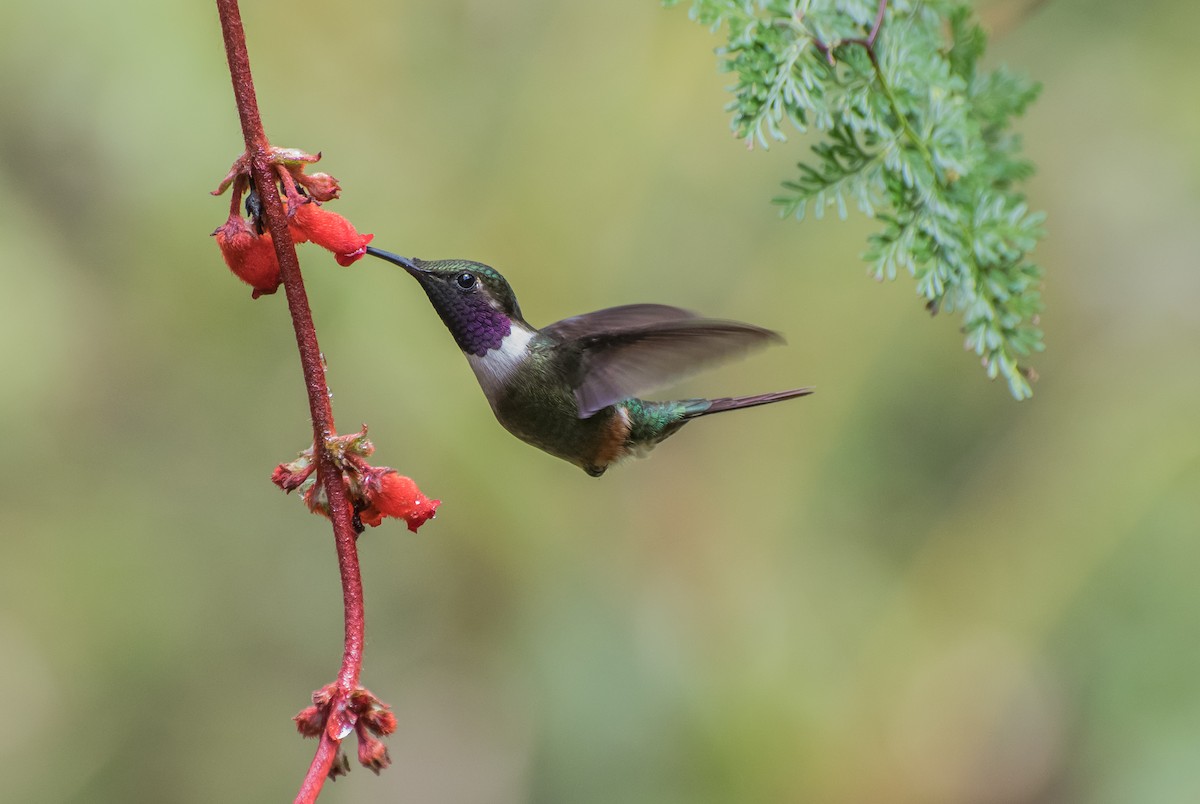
(289, 476)
(380, 722)
(310, 722)
(320, 186)
(372, 754)
(324, 695)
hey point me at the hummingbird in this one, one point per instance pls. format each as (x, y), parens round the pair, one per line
(570, 388)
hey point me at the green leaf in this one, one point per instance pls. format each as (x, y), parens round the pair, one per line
(914, 134)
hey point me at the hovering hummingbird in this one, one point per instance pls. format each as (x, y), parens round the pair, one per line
(570, 388)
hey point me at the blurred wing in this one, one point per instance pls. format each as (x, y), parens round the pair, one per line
(627, 316)
(617, 365)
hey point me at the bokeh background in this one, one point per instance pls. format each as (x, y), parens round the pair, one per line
(906, 588)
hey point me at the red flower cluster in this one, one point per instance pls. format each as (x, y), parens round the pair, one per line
(369, 718)
(246, 244)
(376, 491)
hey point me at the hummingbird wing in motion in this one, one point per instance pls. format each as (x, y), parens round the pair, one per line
(622, 352)
(611, 319)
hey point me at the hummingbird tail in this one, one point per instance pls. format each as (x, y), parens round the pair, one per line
(737, 402)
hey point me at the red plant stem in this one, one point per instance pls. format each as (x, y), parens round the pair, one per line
(340, 509)
(318, 771)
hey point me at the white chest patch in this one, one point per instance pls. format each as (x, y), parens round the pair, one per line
(494, 369)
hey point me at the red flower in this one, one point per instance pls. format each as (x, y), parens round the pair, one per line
(392, 494)
(251, 256)
(329, 230)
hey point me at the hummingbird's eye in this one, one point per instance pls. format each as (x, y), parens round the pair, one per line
(465, 280)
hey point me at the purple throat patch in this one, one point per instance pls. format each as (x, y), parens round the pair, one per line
(478, 327)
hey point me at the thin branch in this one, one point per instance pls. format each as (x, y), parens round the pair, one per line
(878, 23)
(867, 44)
(340, 508)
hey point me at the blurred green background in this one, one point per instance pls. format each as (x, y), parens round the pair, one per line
(906, 588)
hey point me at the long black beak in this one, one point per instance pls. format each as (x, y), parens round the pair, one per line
(396, 259)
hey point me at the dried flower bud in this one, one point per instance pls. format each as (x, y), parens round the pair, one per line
(290, 476)
(379, 721)
(372, 754)
(320, 186)
(340, 767)
(310, 721)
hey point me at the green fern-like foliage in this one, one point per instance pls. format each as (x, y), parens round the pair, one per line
(914, 134)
